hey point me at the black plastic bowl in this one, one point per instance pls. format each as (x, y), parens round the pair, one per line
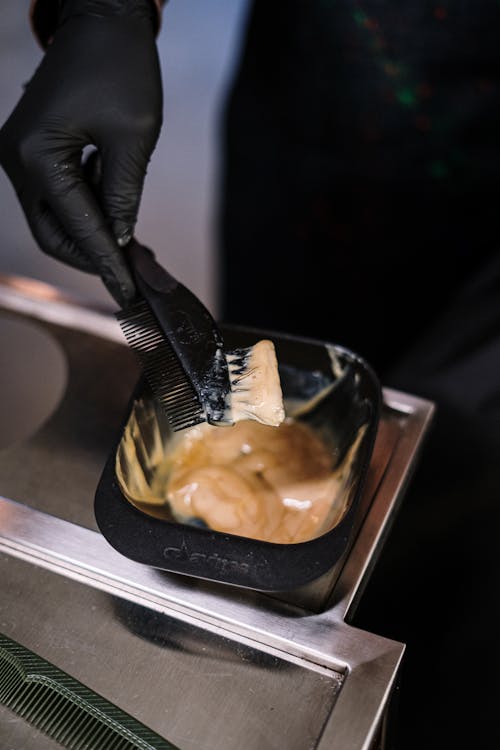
(306, 367)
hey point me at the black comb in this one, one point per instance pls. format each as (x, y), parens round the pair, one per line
(178, 344)
(64, 709)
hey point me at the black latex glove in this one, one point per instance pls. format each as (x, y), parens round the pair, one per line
(99, 83)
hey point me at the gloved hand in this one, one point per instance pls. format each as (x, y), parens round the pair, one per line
(99, 83)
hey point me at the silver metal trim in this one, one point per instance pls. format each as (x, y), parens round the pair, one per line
(325, 641)
(43, 302)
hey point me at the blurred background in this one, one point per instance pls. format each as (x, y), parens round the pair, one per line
(351, 197)
(197, 46)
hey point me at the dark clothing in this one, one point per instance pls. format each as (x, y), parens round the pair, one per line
(361, 159)
(361, 147)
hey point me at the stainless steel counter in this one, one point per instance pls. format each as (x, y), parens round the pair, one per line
(205, 666)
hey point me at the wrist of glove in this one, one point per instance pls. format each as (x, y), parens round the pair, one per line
(139, 9)
(47, 15)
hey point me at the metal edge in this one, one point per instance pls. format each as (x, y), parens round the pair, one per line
(84, 555)
(44, 302)
(358, 711)
(324, 640)
(417, 418)
(368, 662)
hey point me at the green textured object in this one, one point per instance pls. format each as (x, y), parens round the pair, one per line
(64, 709)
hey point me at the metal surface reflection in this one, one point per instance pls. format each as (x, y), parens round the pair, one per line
(204, 665)
(33, 375)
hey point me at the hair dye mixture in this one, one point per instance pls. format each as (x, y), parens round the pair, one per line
(275, 484)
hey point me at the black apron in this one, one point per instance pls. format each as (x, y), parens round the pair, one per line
(361, 154)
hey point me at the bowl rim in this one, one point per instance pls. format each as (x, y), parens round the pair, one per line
(228, 558)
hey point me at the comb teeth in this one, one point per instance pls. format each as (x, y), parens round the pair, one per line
(64, 709)
(165, 374)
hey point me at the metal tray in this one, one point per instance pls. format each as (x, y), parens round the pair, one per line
(344, 400)
(205, 664)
